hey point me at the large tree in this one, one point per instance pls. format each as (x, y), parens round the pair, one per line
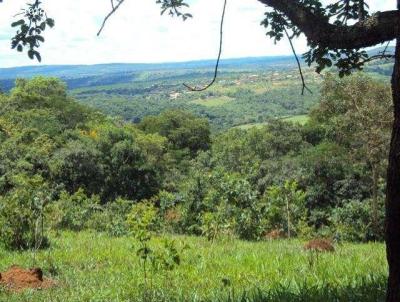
(339, 43)
(336, 34)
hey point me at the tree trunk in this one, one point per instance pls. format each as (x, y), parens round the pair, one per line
(374, 205)
(288, 216)
(392, 226)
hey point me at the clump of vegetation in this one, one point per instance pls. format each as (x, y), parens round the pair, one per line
(72, 211)
(22, 214)
(111, 218)
(142, 219)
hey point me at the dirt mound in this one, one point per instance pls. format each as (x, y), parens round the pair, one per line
(274, 234)
(320, 245)
(17, 279)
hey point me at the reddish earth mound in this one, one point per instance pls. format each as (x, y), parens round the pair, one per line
(17, 279)
(319, 245)
(274, 234)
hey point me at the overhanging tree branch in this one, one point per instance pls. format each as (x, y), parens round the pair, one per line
(112, 12)
(375, 29)
(304, 86)
(221, 35)
(361, 63)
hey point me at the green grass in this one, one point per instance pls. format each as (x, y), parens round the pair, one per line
(300, 119)
(95, 267)
(213, 102)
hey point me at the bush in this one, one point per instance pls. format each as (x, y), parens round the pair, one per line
(112, 218)
(143, 218)
(172, 220)
(213, 224)
(73, 211)
(352, 221)
(286, 208)
(21, 214)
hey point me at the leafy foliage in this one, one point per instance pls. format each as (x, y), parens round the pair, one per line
(352, 222)
(173, 8)
(22, 214)
(339, 12)
(72, 211)
(286, 207)
(183, 130)
(302, 179)
(142, 219)
(31, 26)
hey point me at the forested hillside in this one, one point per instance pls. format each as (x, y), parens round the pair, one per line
(329, 170)
(66, 167)
(248, 91)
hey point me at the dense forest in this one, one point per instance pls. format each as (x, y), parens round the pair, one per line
(79, 169)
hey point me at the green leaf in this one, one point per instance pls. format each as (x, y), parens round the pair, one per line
(38, 56)
(50, 22)
(42, 26)
(39, 38)
(18, 23)
(30, 54)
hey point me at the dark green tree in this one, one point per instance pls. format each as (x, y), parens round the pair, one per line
(183, 130)
(356, 113)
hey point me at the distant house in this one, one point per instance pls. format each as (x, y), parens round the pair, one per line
(174, 95)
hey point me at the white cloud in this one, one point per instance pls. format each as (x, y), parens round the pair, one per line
(137, 33)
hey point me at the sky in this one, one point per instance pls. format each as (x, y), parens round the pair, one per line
(138, 34)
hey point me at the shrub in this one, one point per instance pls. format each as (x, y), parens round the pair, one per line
(166, 200)
(169, 211)
(73, 211)
(112, 218)
(352, 221)
(21, 214)
(285, 208)
(143, 218)
(213, 225)
(173, 219)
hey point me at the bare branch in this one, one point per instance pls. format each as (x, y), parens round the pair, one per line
(304, 86)
(379, 56)
(112, 12)
(221, 34)
(386, 47)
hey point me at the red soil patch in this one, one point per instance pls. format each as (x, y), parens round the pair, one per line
(320, 245)
(173, 215)
(274, 234)
(18, 279)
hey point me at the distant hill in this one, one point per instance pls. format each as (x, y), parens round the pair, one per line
(98, 69)
(71, 73)
(249, 91)
(78, 76)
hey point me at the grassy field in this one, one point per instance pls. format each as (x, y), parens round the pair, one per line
(300, 119)
(213, 102)
(95, 267)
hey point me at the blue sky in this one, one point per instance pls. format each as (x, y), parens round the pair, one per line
(139, 34)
